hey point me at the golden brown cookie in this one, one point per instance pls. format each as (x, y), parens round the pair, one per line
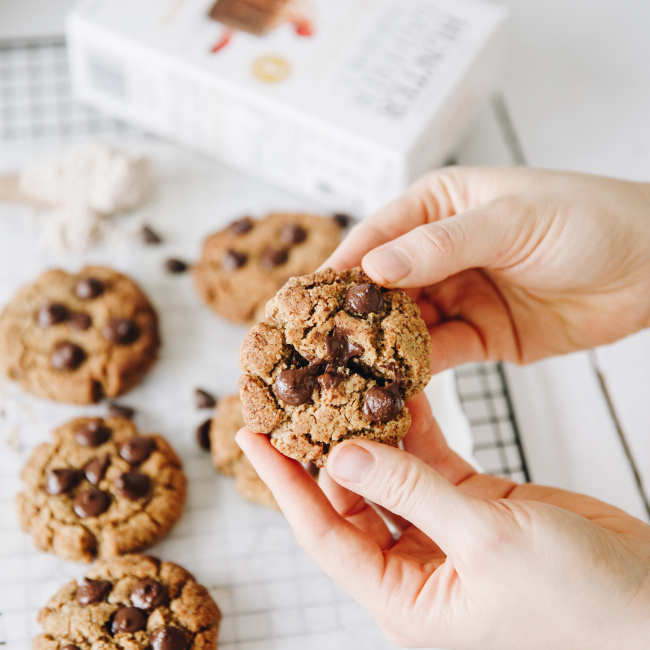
(243, 265)
(229, 459)
(131, 603)
(337, 359)
(78, 337)
(100, 489)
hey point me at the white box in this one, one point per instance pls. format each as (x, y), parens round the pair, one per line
(344, 101)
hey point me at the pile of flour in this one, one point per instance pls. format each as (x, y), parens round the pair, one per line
(86, 189)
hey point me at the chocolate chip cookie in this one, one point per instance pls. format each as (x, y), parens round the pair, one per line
(229, 459)
(100, 489)
(337, 359)
(130, 603)
(78, 337)
(242, 267)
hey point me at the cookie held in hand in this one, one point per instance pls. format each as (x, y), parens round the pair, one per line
(337, 359)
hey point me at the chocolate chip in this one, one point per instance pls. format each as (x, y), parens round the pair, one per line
(79, 321)
(168, 638)
(364, 298)
(232, 260)
(149, 594)
(203, 399)
(241, 226)
(340, 350)
(295, 387)
(137, 450)
(176, 266)
(272, 257)
(71, 646)
(329, 380)
(203, 435)
(95, 469)
(121, 331)
(92, 591)
(91, 503)
(129, 620)
(132, 485)
(149, 236)
(292, 234)
(89, 288)
(343, 220)
(92, 434)
(67, 356)
(120, 411)
(383, 404)
(52, 314)
(59, 481)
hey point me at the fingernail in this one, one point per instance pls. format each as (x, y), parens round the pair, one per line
(352, 464)
(392, 264)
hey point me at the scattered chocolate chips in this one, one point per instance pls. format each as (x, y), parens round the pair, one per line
(91, 503)
(120, 411)
(176, 266)
(292, 234)
(272, 257)
(343, 220)
(67, 356)
(89, 288)
(92, 434)
(168, 638)
(340, 350)
(383, 404)
(203, 435)
(364, 298)
(52, 314)
(203, 399)
(136, 450)
(59, 481)
(92, 591)
(329, 380)
(241, 226)
(79, 321)
(149, 236)
(232, 260)
(95, 469)
(121, 331)
(132, 485)
(129, 620)
(149, 595)
(295, 387)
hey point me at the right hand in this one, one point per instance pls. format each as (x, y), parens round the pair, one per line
(513, 264)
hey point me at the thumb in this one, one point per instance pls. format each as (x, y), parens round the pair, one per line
(434, 251)
(408, 487)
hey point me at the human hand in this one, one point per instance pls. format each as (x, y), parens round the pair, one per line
(513, 263)
(481, 562)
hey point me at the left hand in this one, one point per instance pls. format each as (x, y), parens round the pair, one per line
(482, 562)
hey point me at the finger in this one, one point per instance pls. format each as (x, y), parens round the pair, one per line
(454, 343)
(343, 551)
(410, 488)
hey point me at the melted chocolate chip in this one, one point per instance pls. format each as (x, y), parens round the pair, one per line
(132, 485)
(149, 236)
(67, 356)
(340, 350)
(272, 257)
(89, 288)
(79, 321)
(329, 380)
(176, 266)
(91, 503)
(295, 387)
(241, 226)
(120, 411)
(364, 298)
(383, 404)
(149, 594)
(59, 481)
(342, 220)
(232, 260)
(168, 638)
(203, 435)
(92, 434)
(137, 450)
(203, 399)
(121, 331)
(95, 469)
(92, 591)
(129, 620)
(71, 646)
(292, 234)
(52, 314)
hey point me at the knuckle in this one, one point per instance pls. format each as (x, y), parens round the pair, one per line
(445, 238)
(400, 486)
